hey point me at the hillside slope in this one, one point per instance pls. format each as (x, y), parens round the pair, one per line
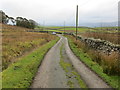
(16, 41)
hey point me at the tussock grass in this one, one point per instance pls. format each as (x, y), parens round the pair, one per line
(16, 41)
(104, 65)
(112, 37)
(108, 62)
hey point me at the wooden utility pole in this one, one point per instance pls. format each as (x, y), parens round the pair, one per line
(101, 26)
(43, 25)
(76, 21)
(64, 27)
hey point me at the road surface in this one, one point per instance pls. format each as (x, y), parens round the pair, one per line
(51, 75)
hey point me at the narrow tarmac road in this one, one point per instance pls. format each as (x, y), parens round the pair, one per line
(51, 75)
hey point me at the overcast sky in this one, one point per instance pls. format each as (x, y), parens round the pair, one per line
(55, 12)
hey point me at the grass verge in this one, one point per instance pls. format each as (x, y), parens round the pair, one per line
(21, 73)
(84, 57)
(72, 76)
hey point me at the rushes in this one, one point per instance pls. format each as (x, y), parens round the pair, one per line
(110, 63)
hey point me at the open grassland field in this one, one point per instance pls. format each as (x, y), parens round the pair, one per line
(106, 66)
(16, 42)
(80, 29)
(112, 37)
(73, 29)
(105, 33)
(85, 29)
(107, 28)
(61, 29)
(49, 29)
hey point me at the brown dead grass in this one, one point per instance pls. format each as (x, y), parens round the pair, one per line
(112, 37)
(109, 63)
(16, 41)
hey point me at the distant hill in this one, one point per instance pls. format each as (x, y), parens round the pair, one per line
(103, 24)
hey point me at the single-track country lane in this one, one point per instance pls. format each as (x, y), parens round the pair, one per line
(51, 75)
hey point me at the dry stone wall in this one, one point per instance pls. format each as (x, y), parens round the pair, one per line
(98, 44)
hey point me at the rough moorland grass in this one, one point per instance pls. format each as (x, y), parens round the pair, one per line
(70, 72)
(112, 80)
(21, 73)
(16, 41)
(112, 37)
